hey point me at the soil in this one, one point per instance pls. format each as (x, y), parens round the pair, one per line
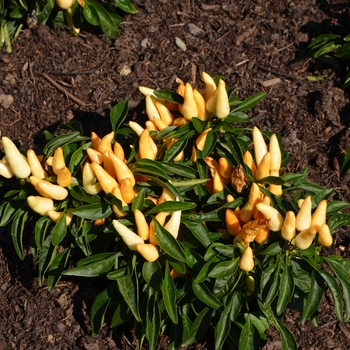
(251, 43)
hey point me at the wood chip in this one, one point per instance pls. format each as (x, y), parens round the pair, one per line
(271, 82)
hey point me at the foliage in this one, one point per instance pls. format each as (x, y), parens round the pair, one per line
(333, 51)
(14, 15)
(200, 277)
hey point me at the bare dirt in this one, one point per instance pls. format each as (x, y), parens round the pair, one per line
(252, 44)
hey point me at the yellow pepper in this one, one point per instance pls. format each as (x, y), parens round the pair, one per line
(40, 205)
(35, 165)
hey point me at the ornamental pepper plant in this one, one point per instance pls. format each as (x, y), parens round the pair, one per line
(189, 218)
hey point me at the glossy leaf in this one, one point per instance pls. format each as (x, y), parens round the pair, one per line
(199, 327)
(167, 242)
(57, 267)
(286, 290)
(250, 102)
(199, 230)
(224, 269)
(152, 321)
(93, 211)
(169, 294)
(59, 231)
(93, 269)
(203, 293)
(17, 229)
(287, 338)
(128, 288)
(152, 273)
(222, 328)
(169, 96)
(335, 291)
(246, 339)
(314, 298)
(118, 114)
(99, 308)
(171, 206)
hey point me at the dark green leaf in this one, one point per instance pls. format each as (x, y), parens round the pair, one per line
(60, 230)
(199, 230)
(287, 338)
(57, 267)
(119, 113)
(152, 274)
(169, 96)
(224, 269)
(336, 292)
(286, 289)
(314, 297)
(47, 255)
(128, 288)
(171, 206)
(167, 242)
(237, 117)
(99, 308)
(126, 6)
(250, 102)
(152, 321)
(81, 195)
(210, 143)
(222, 328)
(169, 296)
(246, 339)
(17, 228)
(94, 211)
(203, 293)
(199, 327)
(94, 269)
(78, 158)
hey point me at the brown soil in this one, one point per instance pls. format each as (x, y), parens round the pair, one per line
(248, 42)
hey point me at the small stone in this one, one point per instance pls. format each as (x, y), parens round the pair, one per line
(126, 70)
(194, 30)
(6, 100)
(180, 44)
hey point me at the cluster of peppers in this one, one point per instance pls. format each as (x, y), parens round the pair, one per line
(106, 169)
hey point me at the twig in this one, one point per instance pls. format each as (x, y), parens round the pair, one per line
(285, 47)
(281, 74)
(78, 73)
(59, 87)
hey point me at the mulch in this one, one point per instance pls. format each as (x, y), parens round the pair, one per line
(52, 78)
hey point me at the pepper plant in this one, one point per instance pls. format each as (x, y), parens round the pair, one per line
(14, 15)
(189, 218)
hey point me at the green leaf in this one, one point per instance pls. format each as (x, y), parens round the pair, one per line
(118, 114)
(199, 125)
(93, 211)
(99, 308)
(180, 170)
(203, 293)
(40, 229)
(210, 142)
(121, 314)
(169, 295)
(169, 96)
(222, 328)
(126, 6)
(152, 274)
(207, 268)
(199, 230)
(246, 339)
(152, 321)
(57, 267)
(237, 117)
(287, 338)
(224, 269)
(81, 195)
(250, 102)
(273, 288)
(78, 158)
(9, 211)
(199, 327)
(178, 146)
(128, 288)
(59, 231)
(93, 269)
(171, 206)
(314, 297)
(336, 293)
(346, 163)
(58, 141)
(286, 289)
(47, 255)
(336, 207)
(167, 242)
(17, 229)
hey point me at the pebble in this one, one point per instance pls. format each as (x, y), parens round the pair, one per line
(6, 100)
